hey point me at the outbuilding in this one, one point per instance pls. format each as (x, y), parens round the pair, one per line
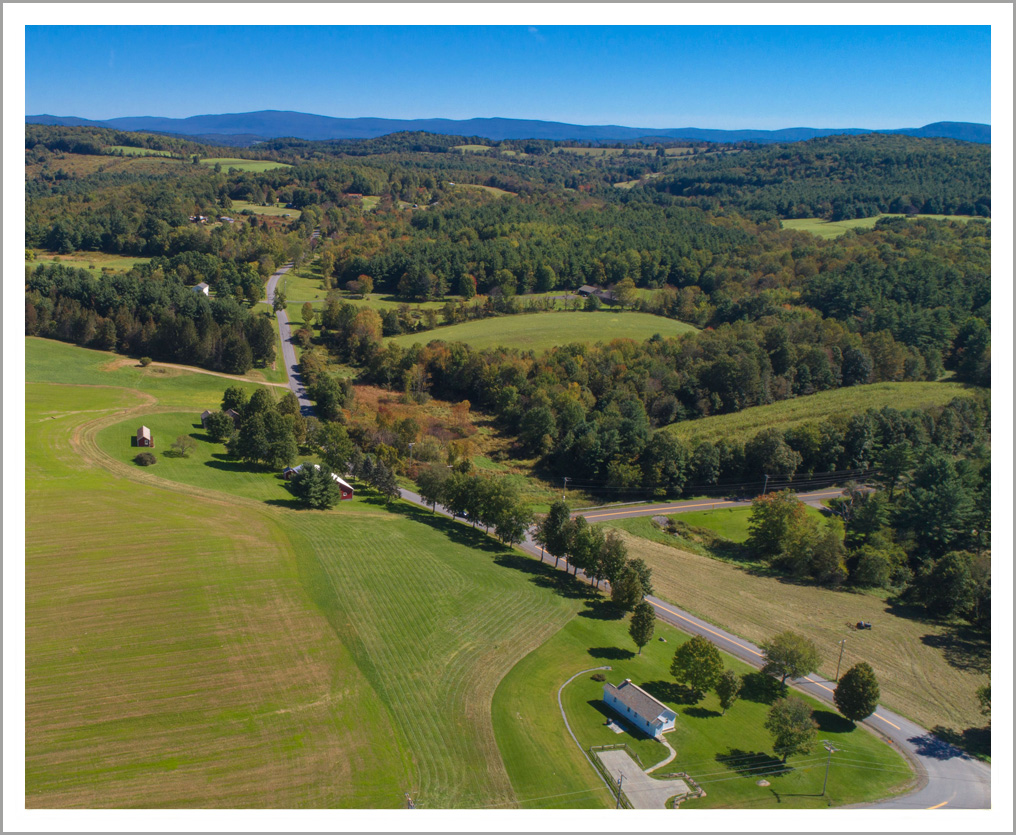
(200, 288)
(144, 437)
(347, 489)
(637, 707)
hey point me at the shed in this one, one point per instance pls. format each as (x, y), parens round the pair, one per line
(144, 437)
(587, 290)
(200, 288)
(635, 705)
(235, 415)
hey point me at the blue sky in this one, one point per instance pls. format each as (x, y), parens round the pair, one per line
(643, 76)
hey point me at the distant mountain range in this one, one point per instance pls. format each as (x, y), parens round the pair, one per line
(272, 124)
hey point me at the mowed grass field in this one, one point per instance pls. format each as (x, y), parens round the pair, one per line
(833, 229)
(244, 164)
(278, 210)
(91, 261)
(227, 650)
(787, 414)
(130, 151)
(926, 671)
(541, 331)
(548, 770)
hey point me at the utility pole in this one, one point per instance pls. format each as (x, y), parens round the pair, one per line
(564, 495)
(766, 486)
(828, 746)
(619, 781)
(841, 643)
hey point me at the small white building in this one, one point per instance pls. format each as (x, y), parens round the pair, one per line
(200, 288)
(638, 708)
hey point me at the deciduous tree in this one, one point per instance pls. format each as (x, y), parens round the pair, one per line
(857, 694)
(697, 665)
(791, 724)
(789, 655)
(643, 624)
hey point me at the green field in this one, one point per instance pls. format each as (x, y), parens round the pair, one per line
(833, 229)
(786, 414)
(223, 638)
(547, 770)
(541, 331)
(473, 149)
(243, 164)
(278, 210)
(489, 189)
(91, 261)
(129, 151)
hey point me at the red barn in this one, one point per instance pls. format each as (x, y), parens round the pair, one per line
(144, 437)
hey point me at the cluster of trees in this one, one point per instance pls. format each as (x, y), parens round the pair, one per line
(493, 502)
(267, 430)
(162, 319)
(600, 556)
(840, 177)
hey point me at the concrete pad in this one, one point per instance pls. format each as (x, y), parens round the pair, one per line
(643, 791)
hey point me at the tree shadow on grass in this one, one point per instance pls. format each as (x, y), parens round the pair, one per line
(832, 723)
(753, 764)
(220, 462)
(543, 575)
(671, 692)
(760, 688)
(289, 504)
(612, 653)
(599, 609)
(701, 713)
(203, 437)
(963, 648)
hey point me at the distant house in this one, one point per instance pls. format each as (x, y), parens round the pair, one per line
(200, 288)
(198, 218)
(605, 296)
(204, 418)
(347, 489)
(225, 219)
(233, 413)
(637, 707)
(587, 290)
(144, 437)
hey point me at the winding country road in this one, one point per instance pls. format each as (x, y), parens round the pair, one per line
(947, 777)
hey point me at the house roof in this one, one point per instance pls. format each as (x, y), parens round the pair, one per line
(144, 432)
(633, 696)
(205, 413)
(588, 288)
(201, 288)
(335, 478)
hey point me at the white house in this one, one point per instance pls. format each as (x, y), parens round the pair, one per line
(637, 707)
(201, 288)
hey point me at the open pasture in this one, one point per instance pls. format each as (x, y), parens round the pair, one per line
(472, 149)
(244, 164)
(724, 753)
(541, 331)
(833, 229)
(289, 658)
(94, 262)
(131, 151)
(500, 192)
(813, 408)
(278, 210)
(927, 671)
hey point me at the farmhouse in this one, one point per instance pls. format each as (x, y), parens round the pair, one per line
(200, 288)
(640, 709)
(347, 489)
(144, 437)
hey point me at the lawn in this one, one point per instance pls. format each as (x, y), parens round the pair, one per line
(278, 210)
(230, 651)
(256, 165)
(927, 671)
(813, 408)
(833, 229)
(725, 754)
(541, 331)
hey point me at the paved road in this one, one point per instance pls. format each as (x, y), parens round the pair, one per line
(947, 777)
(288, 351)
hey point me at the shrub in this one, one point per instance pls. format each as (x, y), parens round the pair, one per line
(144, 459)
(598, 677)
(146, 361)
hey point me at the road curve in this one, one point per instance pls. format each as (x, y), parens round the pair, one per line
(947, 777)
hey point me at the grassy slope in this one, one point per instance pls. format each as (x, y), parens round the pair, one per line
(540, 331)
(789, 413)
(926, 671)
(548, 770)
(278, 210)
(244, 164)
(273, 631)
(833, 229)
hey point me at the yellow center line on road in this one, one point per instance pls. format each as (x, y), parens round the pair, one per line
(753, 652)
(689, 506)
(939, 806)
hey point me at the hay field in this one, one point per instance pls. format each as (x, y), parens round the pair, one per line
(541, 331)
(812, 408)
(833, 229)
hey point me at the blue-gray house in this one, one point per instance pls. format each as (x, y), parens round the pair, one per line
(635, 705)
